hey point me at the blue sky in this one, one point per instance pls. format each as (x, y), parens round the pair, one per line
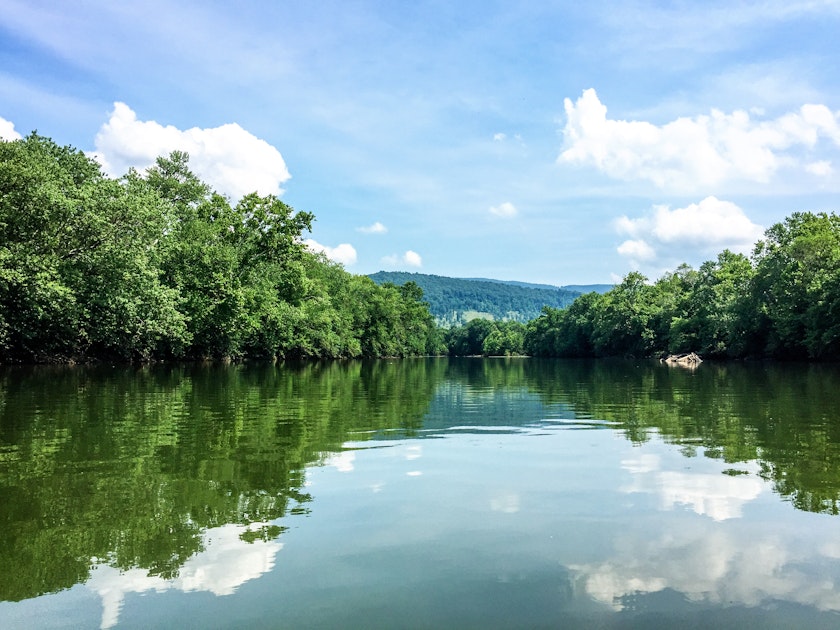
(552, 142)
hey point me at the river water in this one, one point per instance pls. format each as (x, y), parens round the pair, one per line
(420, 493)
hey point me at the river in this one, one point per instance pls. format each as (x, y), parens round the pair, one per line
(420, 493)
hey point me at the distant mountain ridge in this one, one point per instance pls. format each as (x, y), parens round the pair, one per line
(577, 288)
(454, 301)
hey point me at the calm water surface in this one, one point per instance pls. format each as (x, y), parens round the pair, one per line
(420, 494)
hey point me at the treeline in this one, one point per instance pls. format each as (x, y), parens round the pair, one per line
(159, 266)
(783, 302)
(485, 337)
(455, 301)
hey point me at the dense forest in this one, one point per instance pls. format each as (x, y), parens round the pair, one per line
(157, 265)
(783, 302)
(573, 288)
(455, 301)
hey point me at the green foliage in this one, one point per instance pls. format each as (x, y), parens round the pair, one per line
(484, 337)
(784, 303)
(507, 340)
(565, 332)
(797, 286)
(78, 259)
(159, 266)
(453, 300)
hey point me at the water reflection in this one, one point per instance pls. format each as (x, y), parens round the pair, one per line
(638, 481)
(784, 417)
(722, 567)
(227, 560)
(718, 496)
(135, 465)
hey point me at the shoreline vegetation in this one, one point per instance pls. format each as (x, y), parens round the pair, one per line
(156, 266)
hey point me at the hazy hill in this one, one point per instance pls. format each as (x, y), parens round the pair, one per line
(575, 288)
(457, 300)
(588, 288)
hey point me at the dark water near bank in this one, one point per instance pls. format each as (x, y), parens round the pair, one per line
(420, 493)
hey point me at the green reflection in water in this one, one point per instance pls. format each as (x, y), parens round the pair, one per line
(131, 466)
(784, 416)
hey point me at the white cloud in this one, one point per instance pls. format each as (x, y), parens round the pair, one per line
(699, 229)
(712, 222)
(692, 153)
(410, 258)
(230, 159)
(720, 497)
(7, 130)
(344, 253)
(755, 562)
(498, 137)
(505, 210)
(822, 168)
(637, 250)
(376, 228)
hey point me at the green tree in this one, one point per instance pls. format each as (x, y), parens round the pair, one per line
(468, 340)
(623, 324)
(797, 285)
(715, 323)
(237, 268)
(78, 260)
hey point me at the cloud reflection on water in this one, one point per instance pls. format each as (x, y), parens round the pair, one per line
(724, 561)
(715, 566)
(224, 565)
(721, 497)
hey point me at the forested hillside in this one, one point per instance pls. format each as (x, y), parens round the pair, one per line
(454, 301)
(574, 288)
(159, 266)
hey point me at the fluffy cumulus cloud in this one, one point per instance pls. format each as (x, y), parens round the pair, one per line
(408, 259)
(230, 159)
(504, 210)
(695, 153)
(376, 228)
(7, 130)
(637, 250)
(699, 229)
(822, 168)
(344, 253)
(412, 259)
